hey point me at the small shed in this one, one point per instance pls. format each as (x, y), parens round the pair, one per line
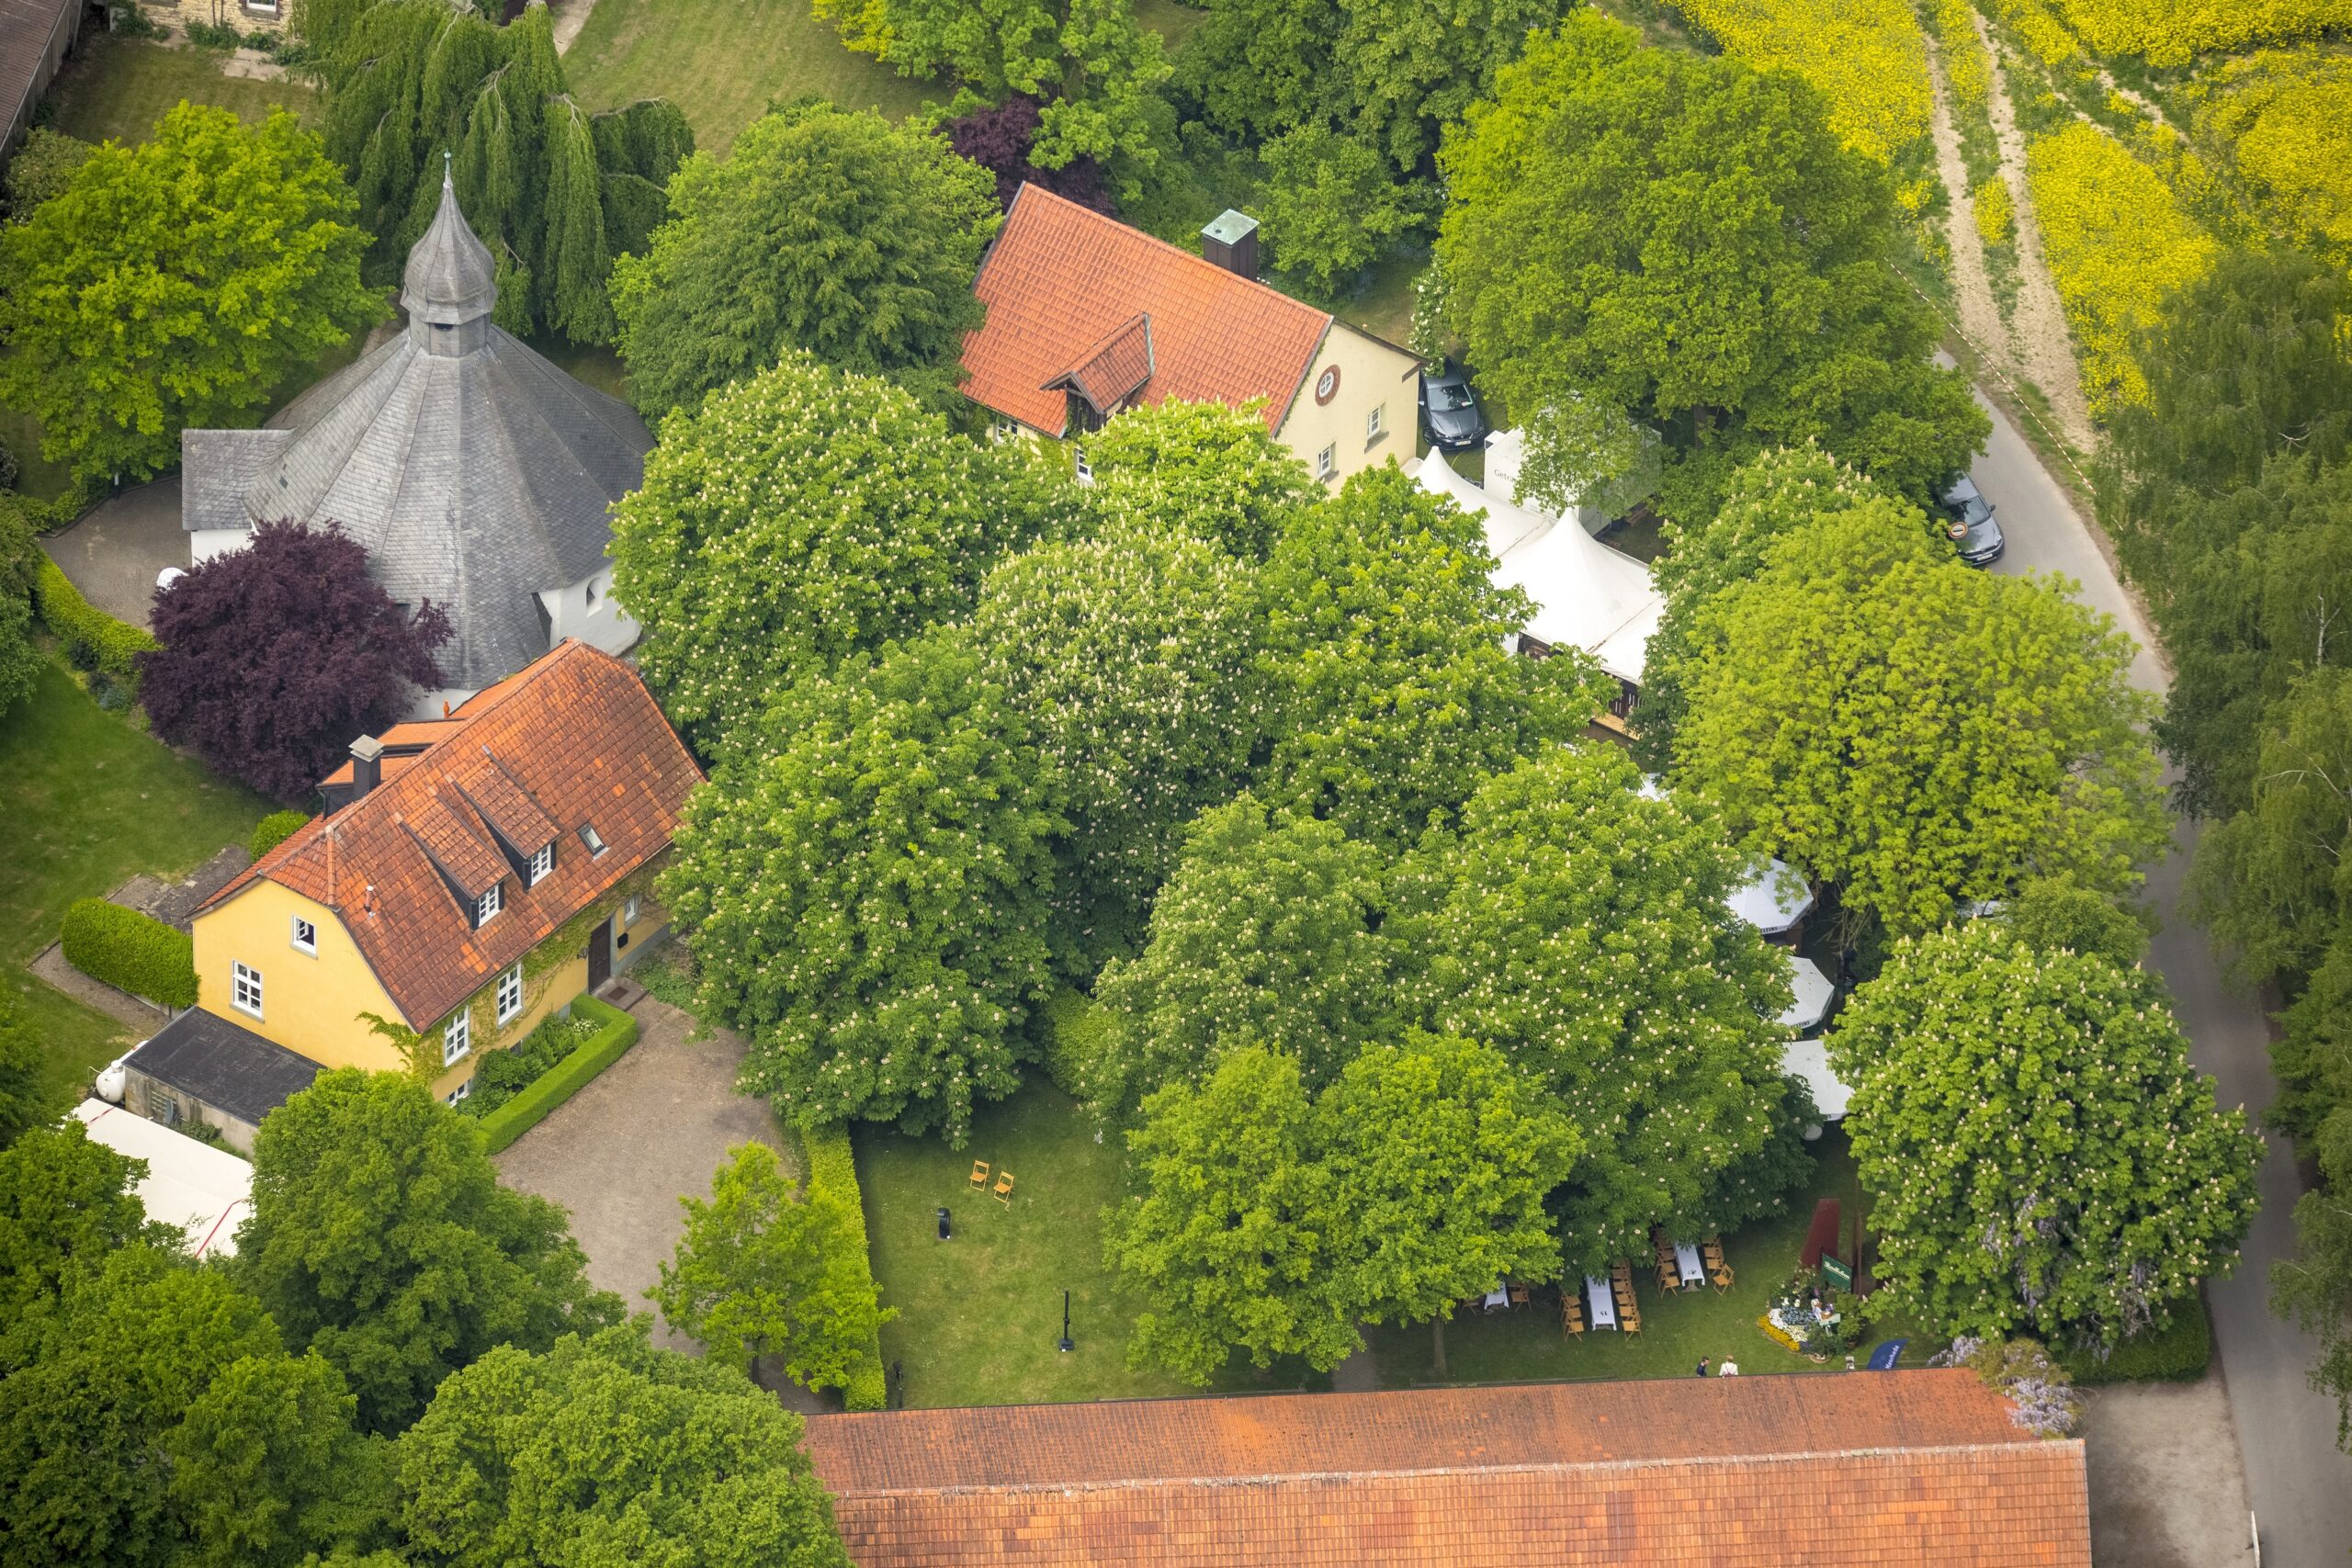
(201, 1067)
(35, 37)
(206, 1191)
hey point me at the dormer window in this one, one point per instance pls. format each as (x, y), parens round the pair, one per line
(486, 907)
(541, 864)
(590, 837)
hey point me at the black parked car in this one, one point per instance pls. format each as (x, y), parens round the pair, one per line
(1972, 529)
(1450, 410)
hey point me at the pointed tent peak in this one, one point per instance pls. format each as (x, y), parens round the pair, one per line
(450, 277)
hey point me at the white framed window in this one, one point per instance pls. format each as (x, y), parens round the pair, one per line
(541, 864)
(486, 907)
(244, 988)
(306, 936)
(1327, 463)
(463, 1091)
(1079, 464)
(456, 1039)
(594, 841)
(1004, 429)
(628, 910)
(1375, 424)
(510, 994)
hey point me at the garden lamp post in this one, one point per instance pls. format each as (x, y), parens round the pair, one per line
(1066, 1346)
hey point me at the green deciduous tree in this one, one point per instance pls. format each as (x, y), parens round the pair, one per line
(1675, 240)
(381, 1238)
(1206, 470)
(65, 1203)
(1094, 70)
(43, 166)
(765, 1268)
(20, 658)
(174, 283)
(1331, 202)
(1132, 656)
(1393, 693)
(2051, 914)
(1238, 1232)
(1922, 735)
(2041, 1156)
(22, 1097)
(866, 891)
(1580, 929)
(826, 230)
(1267, 934)
(801, 517)
(1442, 1152)
(605, 1450)
(554, 191)
(2315, 1287)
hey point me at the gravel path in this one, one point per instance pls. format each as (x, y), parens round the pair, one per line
(1980, 316)
(571, 16)
(2044, 348)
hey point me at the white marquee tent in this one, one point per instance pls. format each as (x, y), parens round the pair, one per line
(1815, 993)
(206, 1191)
(1809, 1059)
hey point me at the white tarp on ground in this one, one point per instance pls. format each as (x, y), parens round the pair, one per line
(1815, 993)
(1775, 899)
(205, 1190)
(1809, 1059)
(1587, 595)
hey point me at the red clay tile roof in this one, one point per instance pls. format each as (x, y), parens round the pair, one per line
(1062, 280)
(573, 739)
(1883, 1469)
(1110, 371)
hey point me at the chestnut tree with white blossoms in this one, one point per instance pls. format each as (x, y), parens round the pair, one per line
(2041, 1156)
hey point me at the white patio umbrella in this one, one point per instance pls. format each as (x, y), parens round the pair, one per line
(1809, 1059)
(1774, 901)
(1815, 993)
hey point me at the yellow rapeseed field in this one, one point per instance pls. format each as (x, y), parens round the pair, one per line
(1964, 71)
(1995, 218)
(2117, 245)
(2170, 32)
(1867, 56)
(2285, 117)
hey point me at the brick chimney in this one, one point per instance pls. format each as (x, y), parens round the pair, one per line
(1231, 241)
(366, 766)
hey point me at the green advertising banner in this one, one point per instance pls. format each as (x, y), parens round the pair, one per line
(1835, 1274)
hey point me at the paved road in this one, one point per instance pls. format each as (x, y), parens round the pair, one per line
(2299, 1483)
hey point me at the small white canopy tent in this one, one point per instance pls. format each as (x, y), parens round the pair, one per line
(206, 1191)
(1809, 1059)
(1506, 455)
(1774, 901)
(1815, 993)
(1587, 595)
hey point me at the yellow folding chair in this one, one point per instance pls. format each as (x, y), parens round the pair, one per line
(1004, 1188)
(979, 1173)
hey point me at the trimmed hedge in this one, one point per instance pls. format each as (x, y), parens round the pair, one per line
(275, 829)
(833, 1167)
(2179, 1354)
(113, 646)
(131, 952)
(616, 1032)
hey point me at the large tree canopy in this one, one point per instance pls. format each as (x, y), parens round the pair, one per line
(274, 656)
(830, 229)
(381, 1238)
(1093, 69)
(1580, 928)
(865, 890)
(1238, 1232)
(2041, 1156)
(555, 191)
(1393, 696)
(65, 1198)
(1267, 934)
(606, 1450)
(20, 658)
(1920, 734)
(1132, 656)
(1205, 470)
(1645, 236)
(178, 281)
(801, 517)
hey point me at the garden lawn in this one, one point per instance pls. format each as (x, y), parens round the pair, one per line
(1528, 1343)
(978, 1315)
(119, 87)
(723, 62)
(91, 800)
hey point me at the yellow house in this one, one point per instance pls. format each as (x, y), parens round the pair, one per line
(1088, 318)
(472, 874)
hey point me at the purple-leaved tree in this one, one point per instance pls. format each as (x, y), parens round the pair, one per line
(276, 656)
(998, 139)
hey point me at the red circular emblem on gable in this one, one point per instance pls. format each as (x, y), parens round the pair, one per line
(1327, 386)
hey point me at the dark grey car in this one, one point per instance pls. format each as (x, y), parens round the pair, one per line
(1450, 410)
(1972, 528)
